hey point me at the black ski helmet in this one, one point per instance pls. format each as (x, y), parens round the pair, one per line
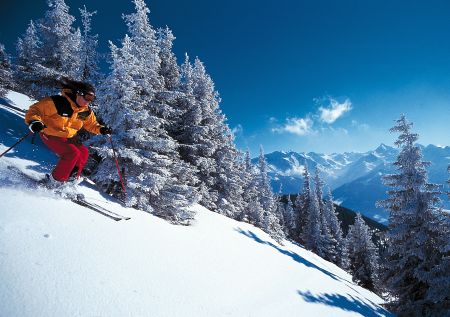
(77, 86)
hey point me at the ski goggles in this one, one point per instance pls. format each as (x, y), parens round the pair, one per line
(88, 96)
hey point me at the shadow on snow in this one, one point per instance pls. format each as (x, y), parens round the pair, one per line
(297, 258)
(350, 304)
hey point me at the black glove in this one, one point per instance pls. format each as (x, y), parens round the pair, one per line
(36, 126)
(105, 130)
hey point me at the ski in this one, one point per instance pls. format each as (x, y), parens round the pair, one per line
(16, 109)
(108, 211)
(99, 209)
(77, 198)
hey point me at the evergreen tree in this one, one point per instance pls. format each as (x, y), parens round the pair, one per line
(194, 129)
(312, 229)
(272, 226)
(413, 236)
(49, 51)
(327, 241)
(61, 47)
(89, 57)
(253, 211)
(6, 77)
(145, 48)
(267, 197)
(158, 180)
(169, 70)
(335, 230)
(224, 177)
(289, 218)
(439, 279)
(187, 77)
(28, 50)
(229, 184)
(363, 257)
(270, 221)
(302, 205)
(206, 142)
(281, 209)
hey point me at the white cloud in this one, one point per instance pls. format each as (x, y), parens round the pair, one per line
(335, 111)
(298, 126)
(328, 113)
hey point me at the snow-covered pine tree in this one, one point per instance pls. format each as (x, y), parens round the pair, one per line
(281, 209)
(439, 278)
(206, 142)
(146, 49)
(89, 57)
(59, 54)
(6, 75)
(270, 222)
(28, 59)
(289, 218)
(301, 206)
(229, 184)
(246, 177)
(335, 229)
(312, 230)
(194, 130)
(216, 139)
(363, 255)
(187, 77)
(158, 181)
(413, 238)
(318, 189)
(169, 69)
(253, 211)
(267, 198)
(327, 243)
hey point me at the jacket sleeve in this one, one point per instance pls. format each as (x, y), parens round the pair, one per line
(35, 112)
(91, 124)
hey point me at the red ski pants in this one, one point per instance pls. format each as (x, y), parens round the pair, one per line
(70, 155)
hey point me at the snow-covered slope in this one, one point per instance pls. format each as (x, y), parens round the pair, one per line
(60, 259)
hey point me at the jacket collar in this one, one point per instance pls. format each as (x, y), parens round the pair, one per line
(66, 93)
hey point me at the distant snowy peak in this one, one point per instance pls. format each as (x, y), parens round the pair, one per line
(286, 168)
(293, 163)
(385, 151)
(354, 177)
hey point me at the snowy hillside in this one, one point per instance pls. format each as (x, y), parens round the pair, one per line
(60, 259)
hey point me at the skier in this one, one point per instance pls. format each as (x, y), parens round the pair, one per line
(58, 119)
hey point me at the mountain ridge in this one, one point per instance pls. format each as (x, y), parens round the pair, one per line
(355, 178)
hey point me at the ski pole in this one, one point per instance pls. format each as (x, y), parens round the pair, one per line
(23, 138)
(118, 167)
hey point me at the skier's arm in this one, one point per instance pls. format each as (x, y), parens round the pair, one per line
(35, 112)
(36, 115)
(91, 124)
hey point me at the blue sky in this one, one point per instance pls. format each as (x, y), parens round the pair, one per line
(324, 76)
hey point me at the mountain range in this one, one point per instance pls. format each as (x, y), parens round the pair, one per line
(355, 178)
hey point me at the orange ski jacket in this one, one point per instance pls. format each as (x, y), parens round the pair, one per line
(62, 117)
